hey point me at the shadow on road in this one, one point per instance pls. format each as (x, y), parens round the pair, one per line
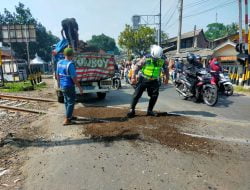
(113, 98)
(224, 101)
(23, 143)
(201, 113)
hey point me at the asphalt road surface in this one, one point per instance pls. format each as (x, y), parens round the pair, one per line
(66, 159)
(236, 107)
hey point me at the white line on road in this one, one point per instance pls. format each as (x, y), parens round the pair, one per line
(220, 138)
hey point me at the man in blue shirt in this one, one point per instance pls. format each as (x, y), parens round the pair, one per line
(66, 76)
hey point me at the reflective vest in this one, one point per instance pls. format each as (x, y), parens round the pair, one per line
(152, 69)
(64, 75)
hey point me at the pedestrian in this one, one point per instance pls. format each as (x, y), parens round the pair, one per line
(150, 68)
(67, 79)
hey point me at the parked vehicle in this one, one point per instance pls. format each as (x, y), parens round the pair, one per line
(203, 89)
(223, 82)
(117, 81)
(94, 72)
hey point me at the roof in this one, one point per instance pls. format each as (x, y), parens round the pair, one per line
(225, 44)
(6, 52)
(37, 60)
(225, 37)
(183, 53)
(186, 35)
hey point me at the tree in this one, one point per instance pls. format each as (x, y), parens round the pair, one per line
(45, 39)
(218, 30)
(103, 42)
(232, 28)
(137, 41)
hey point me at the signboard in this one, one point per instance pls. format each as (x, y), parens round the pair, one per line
(228, 58)
(94, 67)
(17, 33)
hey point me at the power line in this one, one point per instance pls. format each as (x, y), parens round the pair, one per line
(168, 11)
(171, 17)
(211, 9)
(196, 3)
(201, 12)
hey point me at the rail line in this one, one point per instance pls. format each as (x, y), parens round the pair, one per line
(17, 103)
(25, 98)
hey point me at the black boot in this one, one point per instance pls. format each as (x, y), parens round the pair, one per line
(151, 105)
(131, 113)
(151, 113)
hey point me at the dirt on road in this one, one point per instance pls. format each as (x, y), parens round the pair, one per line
(111, 124)
(15, 125)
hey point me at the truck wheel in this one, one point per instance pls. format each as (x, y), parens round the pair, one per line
(101, 95)
(60, 97)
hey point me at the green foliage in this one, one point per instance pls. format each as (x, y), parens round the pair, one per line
(138, 40)
(232, 28)
(218, 30)
(103, 42)
(241, 89)
(21, 86)
(45, 39)
(16, 86)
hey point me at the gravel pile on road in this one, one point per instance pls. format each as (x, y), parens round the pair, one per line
(112, 124)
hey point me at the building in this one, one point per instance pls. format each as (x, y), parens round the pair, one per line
(193, 39)
(13, 69)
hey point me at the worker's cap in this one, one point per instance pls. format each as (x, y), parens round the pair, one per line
(68, 52)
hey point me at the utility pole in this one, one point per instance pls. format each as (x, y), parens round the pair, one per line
(180, 26)
(159, 34)
(216, 17)
(240, 21)
(246, 26)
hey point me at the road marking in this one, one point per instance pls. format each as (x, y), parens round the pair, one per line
(220, 138)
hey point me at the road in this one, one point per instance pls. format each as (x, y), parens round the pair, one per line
(67, 159)
(234, 107)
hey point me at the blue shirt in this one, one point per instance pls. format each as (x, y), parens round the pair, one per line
(66, 71)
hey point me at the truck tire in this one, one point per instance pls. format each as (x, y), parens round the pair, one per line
(101, 95)
(60, 97)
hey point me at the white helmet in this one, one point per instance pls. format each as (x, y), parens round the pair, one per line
(156, 51)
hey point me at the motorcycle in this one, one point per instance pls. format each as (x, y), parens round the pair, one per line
(223, 82)
(117, 81)
(203, 89)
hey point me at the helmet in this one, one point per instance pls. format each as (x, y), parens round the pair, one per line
(180, 59)
(190, 57)
(198, 57)
(156, 51)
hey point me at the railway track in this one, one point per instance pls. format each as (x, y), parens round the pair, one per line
(22, 104)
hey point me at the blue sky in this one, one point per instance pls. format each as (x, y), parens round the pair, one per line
(110, 16)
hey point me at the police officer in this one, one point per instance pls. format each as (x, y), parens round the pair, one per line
(66, 76)
(151, 68)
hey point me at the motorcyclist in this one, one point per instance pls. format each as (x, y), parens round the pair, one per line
(215, 69)
(151, 68)
(178, 67)
(198, 61)
(190, 70)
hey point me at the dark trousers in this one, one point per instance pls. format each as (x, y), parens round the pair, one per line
(69, 100)
(152, 87)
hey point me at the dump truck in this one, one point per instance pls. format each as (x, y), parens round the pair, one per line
(94, 72)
